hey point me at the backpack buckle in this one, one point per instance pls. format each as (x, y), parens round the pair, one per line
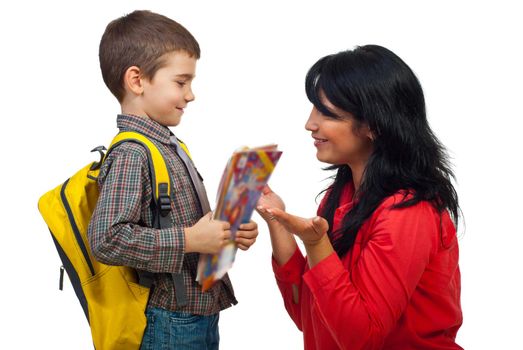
(164, 201)
(99, 149)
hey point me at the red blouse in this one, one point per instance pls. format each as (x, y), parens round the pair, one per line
(397, 288)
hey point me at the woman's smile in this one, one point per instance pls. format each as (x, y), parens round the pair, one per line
(319, 141)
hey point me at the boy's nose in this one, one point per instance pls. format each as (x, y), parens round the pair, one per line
(189, 96)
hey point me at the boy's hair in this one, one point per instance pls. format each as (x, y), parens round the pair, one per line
(140, 39)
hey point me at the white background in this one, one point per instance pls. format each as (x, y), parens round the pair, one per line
(250, 91)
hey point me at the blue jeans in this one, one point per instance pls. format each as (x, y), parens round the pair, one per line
(178, 330)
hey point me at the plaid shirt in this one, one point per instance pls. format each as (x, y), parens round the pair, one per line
(120, 230)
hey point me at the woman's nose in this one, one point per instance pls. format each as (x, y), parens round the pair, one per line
(312, 122)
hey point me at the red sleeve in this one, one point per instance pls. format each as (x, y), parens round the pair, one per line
(360, 308)
(289, 280)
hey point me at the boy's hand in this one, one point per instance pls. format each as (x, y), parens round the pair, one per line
(207, 235)
(246, 235)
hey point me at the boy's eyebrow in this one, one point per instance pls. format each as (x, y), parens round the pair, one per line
(185, 76)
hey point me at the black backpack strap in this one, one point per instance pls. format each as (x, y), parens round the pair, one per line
(164, 221)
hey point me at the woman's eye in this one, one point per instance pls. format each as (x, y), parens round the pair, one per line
(181, 83)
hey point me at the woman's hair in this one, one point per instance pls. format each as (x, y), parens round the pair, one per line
(381, 91)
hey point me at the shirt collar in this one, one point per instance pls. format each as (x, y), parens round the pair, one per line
(345, 204)
(347, 194)
(145, 126)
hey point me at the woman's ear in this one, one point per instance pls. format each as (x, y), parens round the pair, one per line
(369, 133)
(132, 80)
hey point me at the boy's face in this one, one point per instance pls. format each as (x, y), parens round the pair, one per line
(167, 94)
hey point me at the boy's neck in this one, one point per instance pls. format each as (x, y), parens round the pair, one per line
(136, 113)
(129, 106)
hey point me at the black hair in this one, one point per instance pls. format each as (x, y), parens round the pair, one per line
(381, 91)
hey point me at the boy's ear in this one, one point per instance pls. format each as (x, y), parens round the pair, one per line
(132, 80)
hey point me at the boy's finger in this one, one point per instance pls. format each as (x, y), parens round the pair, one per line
(248, 226)
(225, 225)
(245, 241)
(247, 234)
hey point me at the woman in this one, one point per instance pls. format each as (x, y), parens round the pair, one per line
(381, 270)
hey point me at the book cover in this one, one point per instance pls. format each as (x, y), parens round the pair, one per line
(247, 172)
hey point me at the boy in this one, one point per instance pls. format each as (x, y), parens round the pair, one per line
(148, 62)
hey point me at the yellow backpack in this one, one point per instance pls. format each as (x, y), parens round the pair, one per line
(111, 297)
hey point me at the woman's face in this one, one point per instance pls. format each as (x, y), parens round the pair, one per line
(339, 141)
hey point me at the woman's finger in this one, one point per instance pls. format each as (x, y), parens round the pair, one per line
(320, 225)
(262, 210)
(264, 213)
(266, 189)
(291, 222)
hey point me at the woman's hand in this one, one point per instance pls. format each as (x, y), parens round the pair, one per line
(269, 199)
(313, 233)
(310, 231)
(283, 227)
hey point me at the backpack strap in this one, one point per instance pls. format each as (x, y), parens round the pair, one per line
(158, 169)
(184, 147)
(161, 198)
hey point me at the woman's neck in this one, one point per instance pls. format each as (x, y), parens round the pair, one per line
(357, 171)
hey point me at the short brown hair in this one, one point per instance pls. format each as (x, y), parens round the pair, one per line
(140, 39)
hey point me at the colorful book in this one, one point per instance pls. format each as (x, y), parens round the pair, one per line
(245, 175)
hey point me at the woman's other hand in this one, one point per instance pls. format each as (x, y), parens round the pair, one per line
(269, 200)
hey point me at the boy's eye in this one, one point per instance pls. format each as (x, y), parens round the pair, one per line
(181, 83)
